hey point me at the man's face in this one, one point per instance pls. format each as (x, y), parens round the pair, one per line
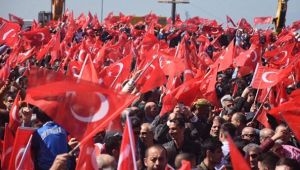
(248, 135)
(175, 131)
(228, 104)
(9, 102)
(156, 160)
(253, 154)
(26, 114)
(146, 135)
(217, 156)
(215, 129)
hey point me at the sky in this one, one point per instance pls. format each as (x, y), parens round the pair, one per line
(211, 9)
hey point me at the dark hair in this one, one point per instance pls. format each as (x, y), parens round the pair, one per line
(111, 143)
(268, 159)
(228, 128)
(293, 164)
(211, 144)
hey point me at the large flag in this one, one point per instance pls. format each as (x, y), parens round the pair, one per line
(69, 102)
(114, 75)
(127, 159)
(264, 77)
(7, 147)
(21, 155)
(87, 156)
(237, 160)
(9, 33)
(14, 119)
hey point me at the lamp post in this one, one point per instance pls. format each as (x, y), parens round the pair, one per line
(174, 2)
(101, 11)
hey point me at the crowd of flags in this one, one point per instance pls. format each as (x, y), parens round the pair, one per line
(97, 70)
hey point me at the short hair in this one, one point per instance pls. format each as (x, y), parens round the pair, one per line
(211, 144)
(268, 159)
(228, 128)
(240, 117)
(251, 146)
(159, 147)
(184, 156)
(226, 97)
(111, 143)
(292, 163)
(262, 132)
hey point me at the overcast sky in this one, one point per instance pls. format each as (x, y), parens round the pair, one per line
(213, 9)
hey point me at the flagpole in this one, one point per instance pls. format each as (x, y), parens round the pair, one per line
(24, 153)
(256, 114)
(144, 69)
(255, 72)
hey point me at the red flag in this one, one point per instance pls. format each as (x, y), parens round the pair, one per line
(264, 77)
(151, 77)
(87, 156)
(14, 120)
(114, 75)
(9, 33)
(243, 23)
(72, 98)
(15, 19)
(249, 58)
(226, 59)
(263, 20)
(21, 157)
(185, 165)
(7, 147)
(38, 36)
(127, 158)
(22, 57)
(229, 20)
(88, 71)
(263, 119)
(292, 119)
(4, 72)
(237, 160)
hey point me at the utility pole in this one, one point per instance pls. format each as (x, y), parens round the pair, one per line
(101, 11)
(174, 2)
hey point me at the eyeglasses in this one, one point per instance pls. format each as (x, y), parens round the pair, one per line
(248, 135)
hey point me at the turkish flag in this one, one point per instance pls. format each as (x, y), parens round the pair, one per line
(38, 36)
(264, 77)
(151, 77)
(243, 23)
(21, 153)
(9, 33)
(292, 119)
(237, 160)
(69, 102)
(22, 57)
(5, 71)
(14, 119)
(263, 20)
(7, 147)
(229, 20)
(249, 58)
(16, 19)
(127, 158)
(226, 59)
(114, 75)
(88, 71)
(281, 56)
(87, 156)
(185, 165)
(263, 119)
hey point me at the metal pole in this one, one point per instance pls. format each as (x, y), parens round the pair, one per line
(173, 11)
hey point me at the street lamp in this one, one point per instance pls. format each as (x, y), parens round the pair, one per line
(174, 2)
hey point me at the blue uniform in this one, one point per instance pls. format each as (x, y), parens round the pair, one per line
(48, 141)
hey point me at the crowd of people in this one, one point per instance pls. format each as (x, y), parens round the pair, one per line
(196, 84)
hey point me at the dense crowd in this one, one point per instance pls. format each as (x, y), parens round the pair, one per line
(190, 95)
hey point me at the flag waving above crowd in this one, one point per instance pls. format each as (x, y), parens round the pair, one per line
(118, 94)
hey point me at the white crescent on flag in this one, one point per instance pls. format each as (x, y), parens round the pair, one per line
(101, 112)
